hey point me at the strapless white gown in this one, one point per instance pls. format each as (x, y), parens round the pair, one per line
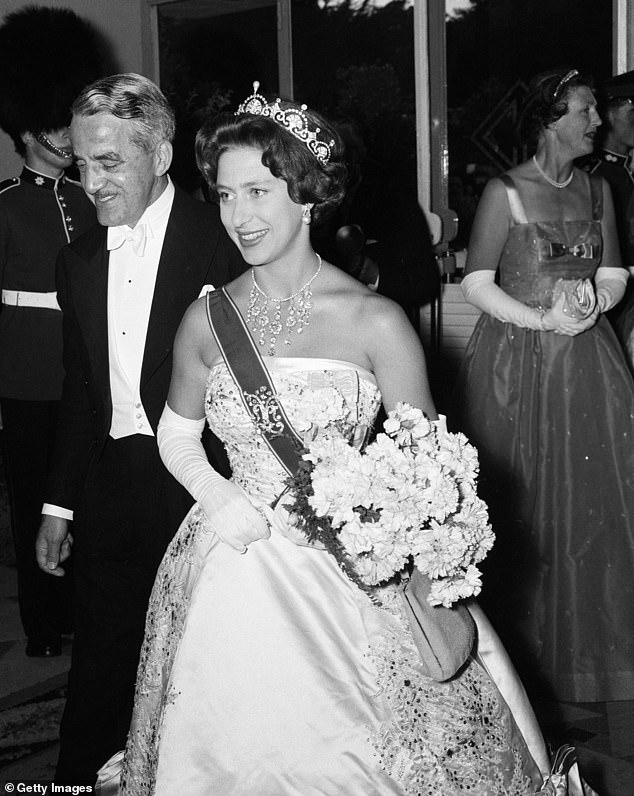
(271, 674)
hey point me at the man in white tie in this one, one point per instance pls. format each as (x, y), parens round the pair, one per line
(123, 289)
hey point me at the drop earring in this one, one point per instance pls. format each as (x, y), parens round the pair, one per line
(306, 218)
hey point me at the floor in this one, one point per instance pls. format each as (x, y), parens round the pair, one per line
(32, 693)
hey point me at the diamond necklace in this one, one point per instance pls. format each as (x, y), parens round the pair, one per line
(550, 180)
(264, 314)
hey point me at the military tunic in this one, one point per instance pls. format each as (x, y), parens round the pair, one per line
(38, 216)
(615, 169)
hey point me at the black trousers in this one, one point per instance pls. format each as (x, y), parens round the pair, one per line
(130, 510)
(27, 440)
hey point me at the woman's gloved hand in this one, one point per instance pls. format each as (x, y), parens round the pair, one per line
(557, 320)
(231, 515)
(283, 521)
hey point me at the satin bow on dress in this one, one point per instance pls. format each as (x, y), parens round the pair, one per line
(584, 250)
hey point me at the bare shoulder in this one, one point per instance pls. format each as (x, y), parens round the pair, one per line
(196, 313)
(520, 176)
(363, 308)
(496, 186)
(494, 198)
(494, 211)
(194, 340)
(194, 326)
(382, 324)
(521, 171)
(337, 285)
(383, 314)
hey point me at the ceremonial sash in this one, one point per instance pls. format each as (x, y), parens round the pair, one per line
(250, 374)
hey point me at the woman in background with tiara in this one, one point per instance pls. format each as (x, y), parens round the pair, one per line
(545, 395)
(265, 670)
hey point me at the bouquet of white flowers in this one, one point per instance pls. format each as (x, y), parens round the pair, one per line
(410, 494)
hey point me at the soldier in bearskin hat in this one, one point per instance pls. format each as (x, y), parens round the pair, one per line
(46, 57)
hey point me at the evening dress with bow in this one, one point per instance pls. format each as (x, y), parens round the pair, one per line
(271, 673)
(552, 417)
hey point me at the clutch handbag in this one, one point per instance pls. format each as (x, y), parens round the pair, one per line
(444, 636)
(579, 297)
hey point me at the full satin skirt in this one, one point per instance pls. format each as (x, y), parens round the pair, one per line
(271, 673)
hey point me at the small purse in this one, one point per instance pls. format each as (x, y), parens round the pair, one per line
(579, 298)
(444, 636)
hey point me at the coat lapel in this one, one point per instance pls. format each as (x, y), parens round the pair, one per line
(91, 302)
(185, 260)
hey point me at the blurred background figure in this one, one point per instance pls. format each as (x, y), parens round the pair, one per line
(46, 56)
(379, 234)
(545, 394)
(612, 160)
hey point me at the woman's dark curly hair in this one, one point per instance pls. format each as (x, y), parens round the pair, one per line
(547, 101)
(288, 158)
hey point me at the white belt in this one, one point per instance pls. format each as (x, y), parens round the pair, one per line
(26, 298)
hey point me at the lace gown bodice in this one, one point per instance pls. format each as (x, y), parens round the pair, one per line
(311, 391)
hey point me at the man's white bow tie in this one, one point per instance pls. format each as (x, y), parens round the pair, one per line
(117, 236)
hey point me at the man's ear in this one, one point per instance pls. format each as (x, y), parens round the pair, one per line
(28, 139)
(163, 158)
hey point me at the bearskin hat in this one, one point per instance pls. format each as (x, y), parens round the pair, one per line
(47, 55)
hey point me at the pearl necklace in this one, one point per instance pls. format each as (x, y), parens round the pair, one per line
(264, 314)
(550, 180)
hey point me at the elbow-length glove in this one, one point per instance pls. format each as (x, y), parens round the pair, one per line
(479, 289)
(610, 284)
(229, 512)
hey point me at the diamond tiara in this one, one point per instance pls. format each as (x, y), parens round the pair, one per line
(292, 119)
(568, 76)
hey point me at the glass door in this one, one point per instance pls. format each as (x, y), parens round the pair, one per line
(209, 54)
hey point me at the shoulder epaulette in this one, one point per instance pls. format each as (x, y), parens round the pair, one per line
(11, 182)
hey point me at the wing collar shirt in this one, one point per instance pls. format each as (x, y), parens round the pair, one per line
(133, 266)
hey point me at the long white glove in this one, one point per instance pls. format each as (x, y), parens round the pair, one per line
(610, 284)
(230, 513)
(479, 289)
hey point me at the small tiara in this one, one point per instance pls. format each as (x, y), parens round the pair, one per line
(568, 76)
(292, 119)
